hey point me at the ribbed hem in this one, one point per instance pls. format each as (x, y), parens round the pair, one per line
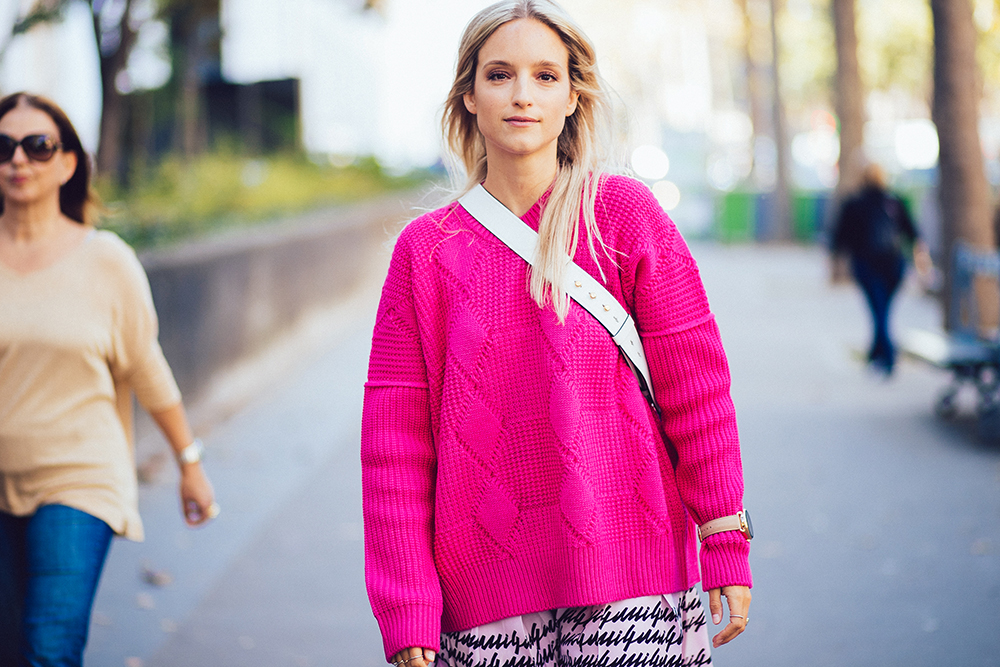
(410, 625)
(552, 579)
(725, 561)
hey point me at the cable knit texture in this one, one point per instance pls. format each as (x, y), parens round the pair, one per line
(510, 463)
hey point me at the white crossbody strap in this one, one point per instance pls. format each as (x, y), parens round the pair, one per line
(577, 283)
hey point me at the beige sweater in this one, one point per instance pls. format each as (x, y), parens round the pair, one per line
(75, 337)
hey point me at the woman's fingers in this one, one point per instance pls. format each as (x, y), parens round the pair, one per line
(738, 599)
(715, 605)
(414, 657)
(197, 497)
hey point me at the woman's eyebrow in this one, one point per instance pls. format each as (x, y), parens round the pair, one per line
(541, 63)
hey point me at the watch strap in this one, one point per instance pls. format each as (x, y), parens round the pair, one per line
(722, 525)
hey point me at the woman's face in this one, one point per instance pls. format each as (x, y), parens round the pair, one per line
(522, 93)
(26, 181)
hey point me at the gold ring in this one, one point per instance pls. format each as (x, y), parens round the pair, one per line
(213, 510)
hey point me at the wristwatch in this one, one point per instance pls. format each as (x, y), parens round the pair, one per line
(192, 453)
(739, 521)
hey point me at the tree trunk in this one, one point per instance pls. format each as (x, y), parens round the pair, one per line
(963, 192)
(781, 225)
(109, 146)
(194, 41)
(850, 108)
(850, 98)
(756, 76)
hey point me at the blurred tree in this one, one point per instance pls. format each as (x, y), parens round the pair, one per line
(987, 19)
(781, 226)
(42, 12)
(756, 61)
(194, 43)
(895, 47)
(849, 103)
(808, 59)
(194, 35)
(849, 97)
(963, 191)
(115, 32)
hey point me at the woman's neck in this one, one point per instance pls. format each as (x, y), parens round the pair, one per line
(25, 224)
(518, 185)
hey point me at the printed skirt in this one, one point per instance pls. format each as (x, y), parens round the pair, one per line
(652, 631)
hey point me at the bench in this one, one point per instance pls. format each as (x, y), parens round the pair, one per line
(972, 360)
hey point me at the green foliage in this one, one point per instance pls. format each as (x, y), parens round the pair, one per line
(808, 56)
(895, 49)
(987, 18)
(42, 13)
(896, 46)
(222, 190)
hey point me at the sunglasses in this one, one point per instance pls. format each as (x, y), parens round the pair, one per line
(38, 147)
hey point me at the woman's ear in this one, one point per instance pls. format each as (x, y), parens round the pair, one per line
(574, 97)
(470, 102)
(69, 161)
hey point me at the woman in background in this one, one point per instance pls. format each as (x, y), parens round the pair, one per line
(875, 230)
(520, 505)
(77, 333)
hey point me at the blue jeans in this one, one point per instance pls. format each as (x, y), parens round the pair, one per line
(50, 563)
(880, 281)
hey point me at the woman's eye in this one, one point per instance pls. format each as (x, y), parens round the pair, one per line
(496, 75)
(546, 76)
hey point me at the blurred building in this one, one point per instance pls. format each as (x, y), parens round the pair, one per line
(372, 77)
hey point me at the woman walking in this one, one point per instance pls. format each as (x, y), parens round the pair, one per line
(77, 333)
(524, 503)
(874, 229)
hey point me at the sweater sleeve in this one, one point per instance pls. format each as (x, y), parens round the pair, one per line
(398, 471)
(137, 359)
(691, 382)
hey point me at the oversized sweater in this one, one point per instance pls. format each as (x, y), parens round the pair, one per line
(75, 337)
(510, 463)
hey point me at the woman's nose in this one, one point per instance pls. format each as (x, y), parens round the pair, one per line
(19, 155)
(522, 92)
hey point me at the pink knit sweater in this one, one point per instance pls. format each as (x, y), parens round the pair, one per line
(510, 463)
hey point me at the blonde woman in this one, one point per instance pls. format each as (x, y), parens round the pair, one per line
(521, 506)
(77, 333)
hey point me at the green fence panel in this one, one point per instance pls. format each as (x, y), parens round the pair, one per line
(736, 217)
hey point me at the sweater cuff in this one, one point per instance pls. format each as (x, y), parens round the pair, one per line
(410, 625)
(725, 561)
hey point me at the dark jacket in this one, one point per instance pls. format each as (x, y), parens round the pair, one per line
(875, 226)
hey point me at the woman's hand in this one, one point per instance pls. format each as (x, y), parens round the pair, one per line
(738, 598)
(923, 264)
(414, 657)
(197, 496)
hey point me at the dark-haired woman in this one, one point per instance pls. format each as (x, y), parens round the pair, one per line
(77, 333)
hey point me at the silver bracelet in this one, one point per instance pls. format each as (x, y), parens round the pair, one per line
(192, 453)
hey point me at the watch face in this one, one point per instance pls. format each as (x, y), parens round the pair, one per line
(749, 525)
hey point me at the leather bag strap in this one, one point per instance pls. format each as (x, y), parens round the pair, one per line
(577, 283)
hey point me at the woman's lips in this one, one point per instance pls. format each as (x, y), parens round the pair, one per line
(520, 121)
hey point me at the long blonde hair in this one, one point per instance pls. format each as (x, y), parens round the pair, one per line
(583, 148)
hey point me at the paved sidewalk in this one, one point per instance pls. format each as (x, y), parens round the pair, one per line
(878, 526)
